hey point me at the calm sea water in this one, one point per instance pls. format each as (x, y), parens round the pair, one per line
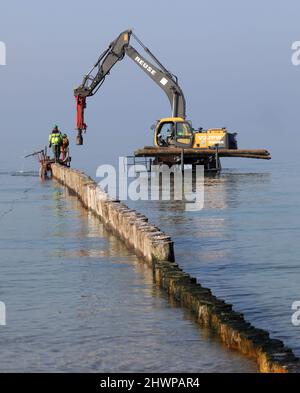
(78, 300)
(245, 243)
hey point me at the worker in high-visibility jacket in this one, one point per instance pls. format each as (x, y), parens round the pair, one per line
(55, 141)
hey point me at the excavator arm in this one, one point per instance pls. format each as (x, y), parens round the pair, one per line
(116, 52)
(164, 79)
(94, 79)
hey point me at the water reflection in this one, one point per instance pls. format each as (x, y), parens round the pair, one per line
(129, 316)
(78, 300)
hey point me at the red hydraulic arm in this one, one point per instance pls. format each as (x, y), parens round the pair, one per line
(80, 124)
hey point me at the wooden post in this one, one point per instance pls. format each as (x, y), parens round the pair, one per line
(217, 156)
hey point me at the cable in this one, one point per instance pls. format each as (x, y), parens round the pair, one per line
(147, 50)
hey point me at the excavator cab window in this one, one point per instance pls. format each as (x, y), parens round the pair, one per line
(165, 134)
(184, 134)
(183, 129)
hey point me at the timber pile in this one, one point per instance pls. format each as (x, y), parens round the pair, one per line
(152, 151)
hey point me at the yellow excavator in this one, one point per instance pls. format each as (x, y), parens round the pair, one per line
(174, 131)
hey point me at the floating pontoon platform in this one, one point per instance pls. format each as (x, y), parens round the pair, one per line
(210, 158)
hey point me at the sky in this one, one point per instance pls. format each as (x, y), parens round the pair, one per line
(232, 58)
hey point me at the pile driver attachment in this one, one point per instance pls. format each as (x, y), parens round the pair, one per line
(80, 124)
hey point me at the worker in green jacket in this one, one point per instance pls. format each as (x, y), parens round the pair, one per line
(55, 141)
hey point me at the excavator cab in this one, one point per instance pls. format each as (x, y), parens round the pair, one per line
(173, 131)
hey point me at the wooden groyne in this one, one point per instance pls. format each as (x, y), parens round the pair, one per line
(156, 247)
(129, 225)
